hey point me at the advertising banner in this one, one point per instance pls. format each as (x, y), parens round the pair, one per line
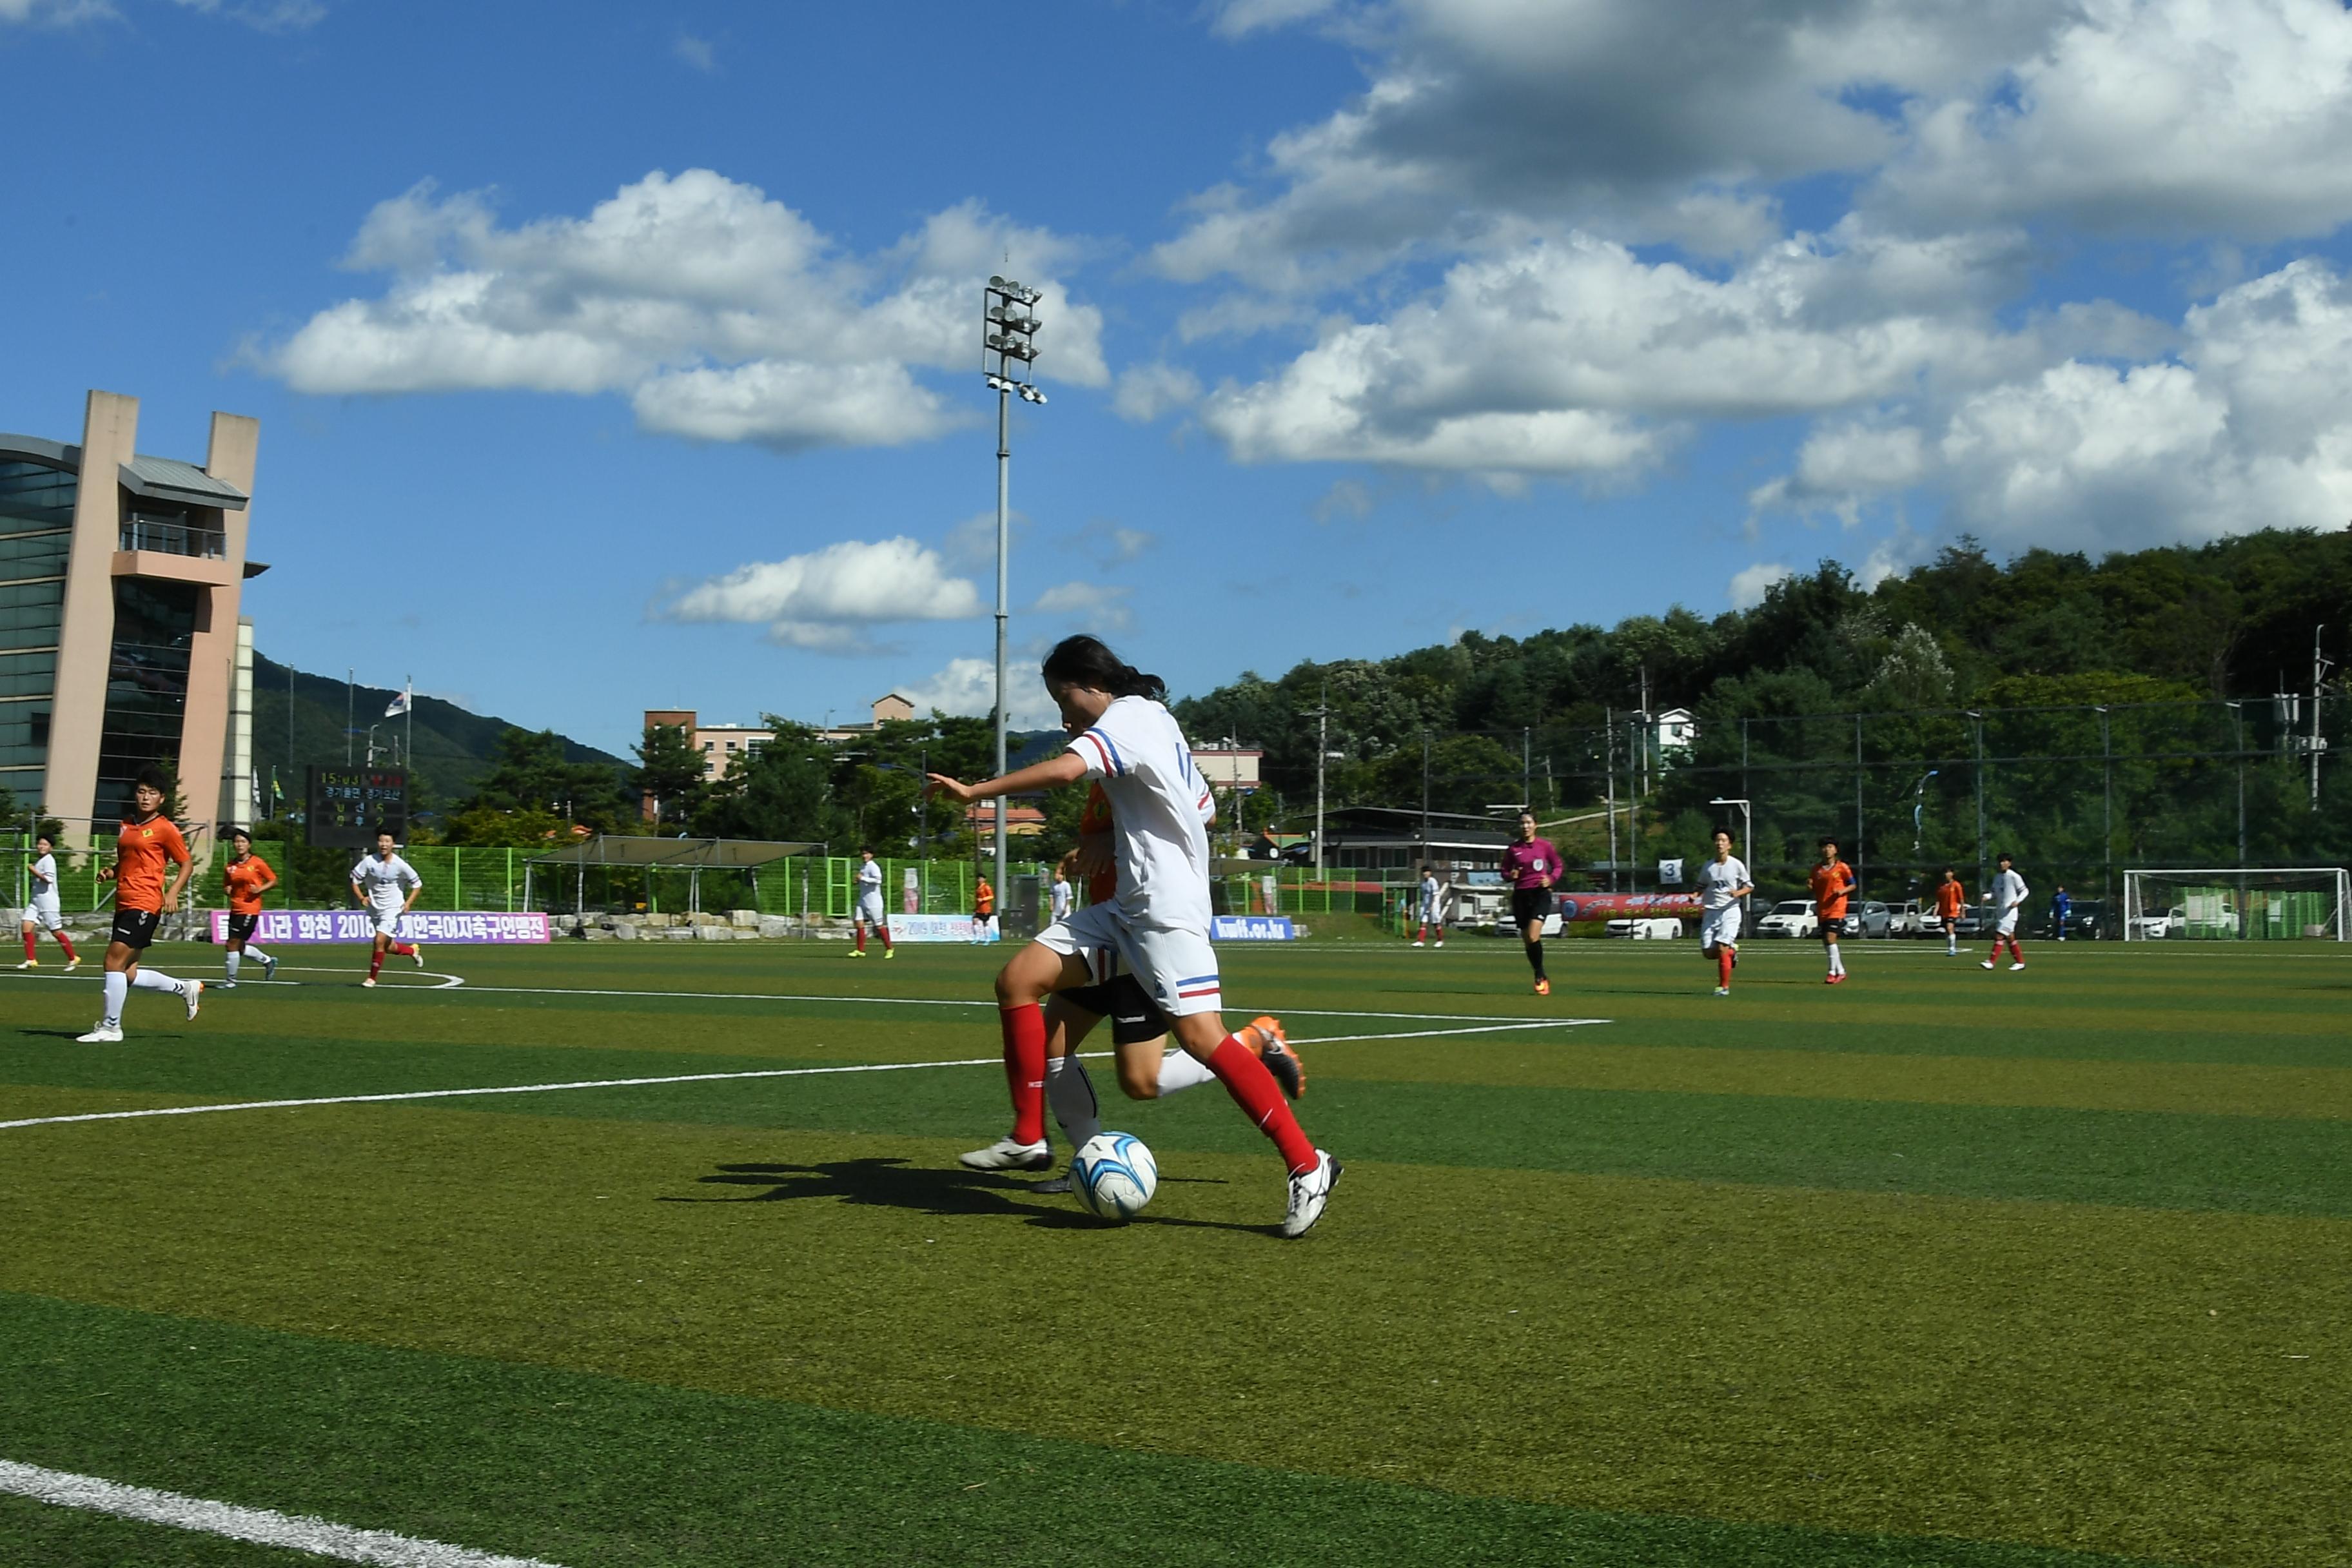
(1252, 928)
(279, 928)
(931, 928)
(1626, 906)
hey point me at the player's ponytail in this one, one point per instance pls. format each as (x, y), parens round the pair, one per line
(1085, 661)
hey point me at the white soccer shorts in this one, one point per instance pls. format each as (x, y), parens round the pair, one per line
(869, 909)
(46, 914)
(1719, 928)
(1178, 969)
(387, 922)
(2008, 926)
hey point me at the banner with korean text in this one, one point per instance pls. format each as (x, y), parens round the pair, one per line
(279, 928)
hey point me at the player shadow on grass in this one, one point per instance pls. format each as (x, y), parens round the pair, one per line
(894, 1184)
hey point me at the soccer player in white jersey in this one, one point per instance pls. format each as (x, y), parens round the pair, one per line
(869, 905)
(2009, 895)
(1722, 883)
(46, 909)
(1431, 910)
(1063, 900)
(378, 883)
(1157, 928)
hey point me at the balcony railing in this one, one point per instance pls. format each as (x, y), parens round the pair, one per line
(173, 536)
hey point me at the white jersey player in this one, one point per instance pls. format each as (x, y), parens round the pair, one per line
(46, 909)
(1722, 884)
(386, 886)
(1156, 926)
(2009, 895)
(1429, 909)
(1063, 899)
(869, 909)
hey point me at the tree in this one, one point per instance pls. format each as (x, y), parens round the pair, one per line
(783, 791)
(530, 773)
(669, 773)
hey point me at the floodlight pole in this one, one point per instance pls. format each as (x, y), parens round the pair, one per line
(1004, 578)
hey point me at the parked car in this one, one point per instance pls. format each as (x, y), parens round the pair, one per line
(1790, 918)
(2087, 921)
(1504, 926)
(1868, 918)
(2172, 923)
(1977, 919)
(1914, 917)
(1648, 929)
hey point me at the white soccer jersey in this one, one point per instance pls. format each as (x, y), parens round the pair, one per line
(1719, 882)
(1061, 901)
(1160, 809)
(2008, 891)
(1429, 897)
(869, 878)
(384, 883)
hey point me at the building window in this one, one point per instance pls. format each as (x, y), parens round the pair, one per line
(146, 686)
(34, 498)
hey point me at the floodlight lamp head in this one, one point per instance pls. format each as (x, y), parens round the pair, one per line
(1031, 394)
(994, 281)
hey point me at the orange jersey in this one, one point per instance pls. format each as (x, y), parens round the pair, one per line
(983, 898)
(1830, 886)
(247, 880)
(139, 853)
(1103, 885)
(1950, 900)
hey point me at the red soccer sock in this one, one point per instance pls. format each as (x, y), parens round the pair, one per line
(2016, 953)
(30, 955)
(1254, 1089)
(885, 939)
(375, 965)
(1723, 967)
(1024, 1070)
(861, 939)
(67, 942)
(1421, 933)
(405, 949)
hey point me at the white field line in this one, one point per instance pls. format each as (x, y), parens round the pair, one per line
(694, 1078)
(265, 1527)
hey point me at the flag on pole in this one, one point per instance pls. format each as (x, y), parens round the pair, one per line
(399, 703)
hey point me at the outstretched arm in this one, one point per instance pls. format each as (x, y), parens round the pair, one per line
(1065, 768)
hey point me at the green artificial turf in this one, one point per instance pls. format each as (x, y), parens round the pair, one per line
(2038, 1262)
(603, 1473)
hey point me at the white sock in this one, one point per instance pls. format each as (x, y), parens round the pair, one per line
(118, 986)
(149, 980)
(1837, 964)
(230, 964)
(255, 954)
(1180, 1068)
(1072, 1096)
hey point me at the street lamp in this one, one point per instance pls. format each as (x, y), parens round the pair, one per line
(1920, 810)
(1008, 337)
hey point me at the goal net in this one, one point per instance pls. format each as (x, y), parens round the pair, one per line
(2237, 904)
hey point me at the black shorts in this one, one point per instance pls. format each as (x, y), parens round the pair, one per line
(242, 927)
(1529, 904)
(1134, 1018)
(134, 929)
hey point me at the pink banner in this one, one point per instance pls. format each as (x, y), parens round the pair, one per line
(1626, 906)
(281, 928)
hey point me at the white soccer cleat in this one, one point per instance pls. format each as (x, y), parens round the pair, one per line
(1722, 991)
(1988, 963)
(369, 984)
(1421, 944)
(30, 963)
(191, 992)
(417, 951)
(2015, 967)
(269, 968)
(72, 964)
(1441, 942)
(224, 984)
(1005, 1154)
(101, 1035)
(1308, 1194)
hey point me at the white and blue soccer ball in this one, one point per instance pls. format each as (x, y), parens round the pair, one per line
(1114, 1175)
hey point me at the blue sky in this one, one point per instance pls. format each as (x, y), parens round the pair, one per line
(612, 357)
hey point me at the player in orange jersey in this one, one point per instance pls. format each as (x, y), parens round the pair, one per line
(246, 877)
(1832, 882)
(983, 904)
(147, 843)
(1951, 902)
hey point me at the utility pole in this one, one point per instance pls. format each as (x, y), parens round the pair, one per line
(1009, 337)
(2319, 668)
(1424, 797)
(351, 710)
(1322, 749)
(1609, 771)
(1981, 870)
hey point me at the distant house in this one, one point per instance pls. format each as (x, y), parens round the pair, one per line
(1020, 821)
(894, 708)
(719, 744)
(1677, 734)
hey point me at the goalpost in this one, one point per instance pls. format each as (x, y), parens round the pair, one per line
(2237, 903)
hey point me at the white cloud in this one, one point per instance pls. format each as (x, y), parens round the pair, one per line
(1572, 354)
(55, 13)
(828, 598)
(2149, 116)
(265, 16)
(697, 53)
(1093, 606)
(723, 314)
(1113, 544)
(1749, 584)
(1145, 391)
(967, 686)
(2250, 426)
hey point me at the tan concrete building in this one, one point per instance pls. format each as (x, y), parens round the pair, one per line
(121, 642)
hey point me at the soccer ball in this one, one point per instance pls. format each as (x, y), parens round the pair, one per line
(1114, 1175)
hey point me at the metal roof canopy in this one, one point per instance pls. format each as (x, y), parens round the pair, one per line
(674, 854)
